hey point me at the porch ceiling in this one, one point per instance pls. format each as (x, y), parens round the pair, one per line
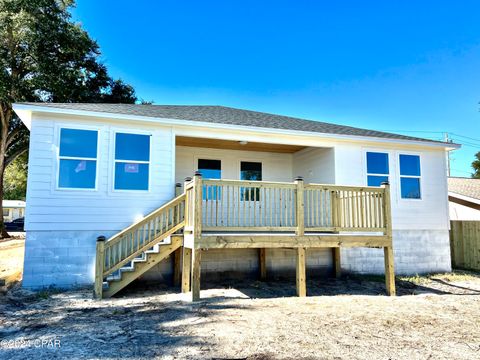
(235, 145)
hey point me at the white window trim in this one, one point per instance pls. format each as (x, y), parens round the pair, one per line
(409, 176)
(367, 174)
(113, 161)
(57, 139)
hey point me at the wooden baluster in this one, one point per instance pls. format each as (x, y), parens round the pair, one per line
(300, 209)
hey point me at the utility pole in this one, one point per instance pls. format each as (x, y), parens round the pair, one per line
(447, 140)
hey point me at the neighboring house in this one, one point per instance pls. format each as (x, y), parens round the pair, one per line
(13, 209)
(94, 169)
(464, 198)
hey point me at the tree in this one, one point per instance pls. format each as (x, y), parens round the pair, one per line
(15, 179)
(45, 56)
(476, 166)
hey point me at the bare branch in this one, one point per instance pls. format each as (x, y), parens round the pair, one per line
(21, 150)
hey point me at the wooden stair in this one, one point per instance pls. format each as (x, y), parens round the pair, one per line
(133, 251)
(139, 266)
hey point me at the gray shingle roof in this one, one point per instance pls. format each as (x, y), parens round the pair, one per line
(464, 186)
(227, 115)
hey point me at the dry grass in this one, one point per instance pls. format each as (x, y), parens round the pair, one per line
(11, 260)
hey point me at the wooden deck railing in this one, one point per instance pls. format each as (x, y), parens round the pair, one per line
(234, 205)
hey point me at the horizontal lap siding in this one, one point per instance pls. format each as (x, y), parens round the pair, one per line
(101, 210)
(429, 213)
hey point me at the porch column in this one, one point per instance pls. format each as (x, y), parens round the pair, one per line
(389, 271)
(337, 266)
(186, 266)
(262, 259)
(196, 257)
(301, 273)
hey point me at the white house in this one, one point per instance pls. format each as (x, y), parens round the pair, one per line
(95, 169)
(464, 198)
(13, 209)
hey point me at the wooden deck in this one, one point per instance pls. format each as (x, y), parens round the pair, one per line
(232, 214)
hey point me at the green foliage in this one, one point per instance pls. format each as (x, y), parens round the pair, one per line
(45, 56)
(15, 179)
(476, 166)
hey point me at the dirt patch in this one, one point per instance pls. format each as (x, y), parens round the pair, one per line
(254, 320)
(11, 261)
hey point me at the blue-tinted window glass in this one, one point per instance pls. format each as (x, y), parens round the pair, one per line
(210, 169)
(132, 147)
(373, 180)
(78, 143)
(250, 171)
(78, 174)
(410, 188)
(131, 176)
(410, 165)
(377, 163)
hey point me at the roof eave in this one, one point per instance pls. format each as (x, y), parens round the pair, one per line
(25, 113)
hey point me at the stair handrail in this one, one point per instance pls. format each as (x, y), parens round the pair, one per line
(123, 247)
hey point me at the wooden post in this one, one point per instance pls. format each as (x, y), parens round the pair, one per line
(186, 266)
(178, 189)
(337, 266)
(177, 266)
(197, 235)
(262, 263)
(196, 257)
(99, 264)
(301, 273)
(389, 271)
(388, 250)
(387, 210)
(300, 207)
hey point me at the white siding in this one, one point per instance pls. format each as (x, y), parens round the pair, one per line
(275, 166)
(315, 165)
(429, 213)
(462, 212)
(94, 210)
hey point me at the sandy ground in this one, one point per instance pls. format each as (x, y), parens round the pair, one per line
(11, 259)
(254, 320)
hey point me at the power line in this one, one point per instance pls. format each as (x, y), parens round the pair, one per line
(466, 137)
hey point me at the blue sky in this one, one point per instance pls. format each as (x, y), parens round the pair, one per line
(408, 66)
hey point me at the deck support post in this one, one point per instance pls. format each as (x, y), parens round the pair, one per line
(300, 207)
(388, 250)
(262, 263)
(196, 257)
(337, 265)
(197, 234)
(186, 266)
(99, 266)
(301, 273)
(177, 266)
(389, 271)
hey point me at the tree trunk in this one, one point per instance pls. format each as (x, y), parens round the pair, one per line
(6, 117)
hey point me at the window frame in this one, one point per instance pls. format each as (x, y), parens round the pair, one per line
(114, 161)
(58, 135)
(217, 196)
(367, 174)
(419, 177)
(242, 196)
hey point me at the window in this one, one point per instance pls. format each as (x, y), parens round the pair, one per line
(410, 176)
(210, 169)
(77, 159)
(250, 171)
(6, 212)
(377, 168)
(132, 161)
